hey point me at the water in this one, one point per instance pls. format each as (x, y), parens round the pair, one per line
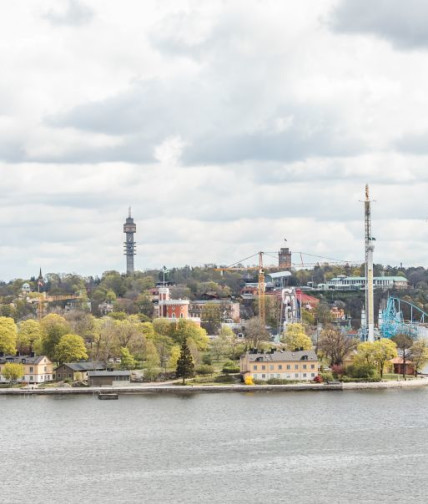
(328, 447)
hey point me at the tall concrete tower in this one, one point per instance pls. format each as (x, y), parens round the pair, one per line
(369, 248)
(129, 228)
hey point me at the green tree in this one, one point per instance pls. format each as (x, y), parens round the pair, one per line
(186, 329)
(419, 354)
(296, 339)
(152, 361)
(29, 335)
(53, 328)
(224, 344)
(185, 365)
(8, 335)
(127, 361)
(385, 350)
(211, 318)
(404, 343)
(376, 353)
(335, 345)
(13, 371)
(70, 347)
(174, 356)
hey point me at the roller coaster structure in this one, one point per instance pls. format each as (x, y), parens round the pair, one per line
(393, 321)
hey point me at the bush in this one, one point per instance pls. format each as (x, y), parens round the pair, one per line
(278, 381)
(207, 359)
(225, 379)
(230, 367)
(337, 370)
(327, 376)
(205, 369)
(362, 371)
(347, 379)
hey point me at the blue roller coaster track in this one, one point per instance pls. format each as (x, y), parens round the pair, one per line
(393, 321)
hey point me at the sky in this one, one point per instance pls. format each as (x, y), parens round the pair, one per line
(227, 125)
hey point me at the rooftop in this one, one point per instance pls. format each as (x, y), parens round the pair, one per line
(283, 356)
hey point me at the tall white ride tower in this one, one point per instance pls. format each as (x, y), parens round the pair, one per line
(369, 248)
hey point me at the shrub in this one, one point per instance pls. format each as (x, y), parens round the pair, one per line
(337, 370)
(224, 379)
(207, 359)
(230, 367)
(327, 376)
(248, 380)
(362, 371)
(278, 381)
(204, 369)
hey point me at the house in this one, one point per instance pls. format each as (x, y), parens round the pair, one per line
(77, 370)
(109, 378)
(397, 362)
(37, 369)
(301, 365)
(229, 310)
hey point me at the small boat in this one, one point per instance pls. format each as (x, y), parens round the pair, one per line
(107, 396)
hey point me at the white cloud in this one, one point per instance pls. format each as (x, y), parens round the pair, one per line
(227, 126)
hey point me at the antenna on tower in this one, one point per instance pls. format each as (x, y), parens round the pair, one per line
(129, 211)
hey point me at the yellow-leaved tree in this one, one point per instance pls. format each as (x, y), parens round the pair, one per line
(296, 339)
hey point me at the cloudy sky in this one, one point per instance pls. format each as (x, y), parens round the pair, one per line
(227, 125)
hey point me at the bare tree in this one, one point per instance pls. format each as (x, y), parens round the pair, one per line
(335, 345)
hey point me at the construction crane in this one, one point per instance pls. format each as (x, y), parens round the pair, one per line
(260, 280)
(43, 299)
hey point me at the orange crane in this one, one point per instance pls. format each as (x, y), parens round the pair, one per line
(261, 279)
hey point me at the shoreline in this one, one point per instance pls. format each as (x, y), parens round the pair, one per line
(195, 389)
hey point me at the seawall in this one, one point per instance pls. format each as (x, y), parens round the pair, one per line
(194, 389)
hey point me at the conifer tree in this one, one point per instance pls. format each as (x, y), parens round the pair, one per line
(185, 365)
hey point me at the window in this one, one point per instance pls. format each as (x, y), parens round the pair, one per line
(304, 366)
(312, 366)
(304, 375)
(271, 367)
(263, 376)
(296, 375)
(278, 376)
(181, 315)
(313, 375)
(296, 366)
(280, 366)
(255, 367)
(263, 367)
(45, 369)
(31, 378)
(31, 369)
(288, 366)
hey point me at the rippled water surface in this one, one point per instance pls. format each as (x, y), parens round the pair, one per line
(310, 447)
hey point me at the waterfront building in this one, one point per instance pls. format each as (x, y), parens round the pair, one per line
(77, 370)
(36, 369)
(109, 378)
(301, 365)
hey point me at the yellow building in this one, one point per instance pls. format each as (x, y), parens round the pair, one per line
(301, 365)
(36, 369)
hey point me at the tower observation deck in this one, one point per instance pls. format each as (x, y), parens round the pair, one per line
(129, 228)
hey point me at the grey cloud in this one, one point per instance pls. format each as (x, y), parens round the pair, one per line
(75, 14)
(416, 143)
(403, 24)
(152, 111)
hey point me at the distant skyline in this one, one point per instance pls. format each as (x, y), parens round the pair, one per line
(225, 125)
